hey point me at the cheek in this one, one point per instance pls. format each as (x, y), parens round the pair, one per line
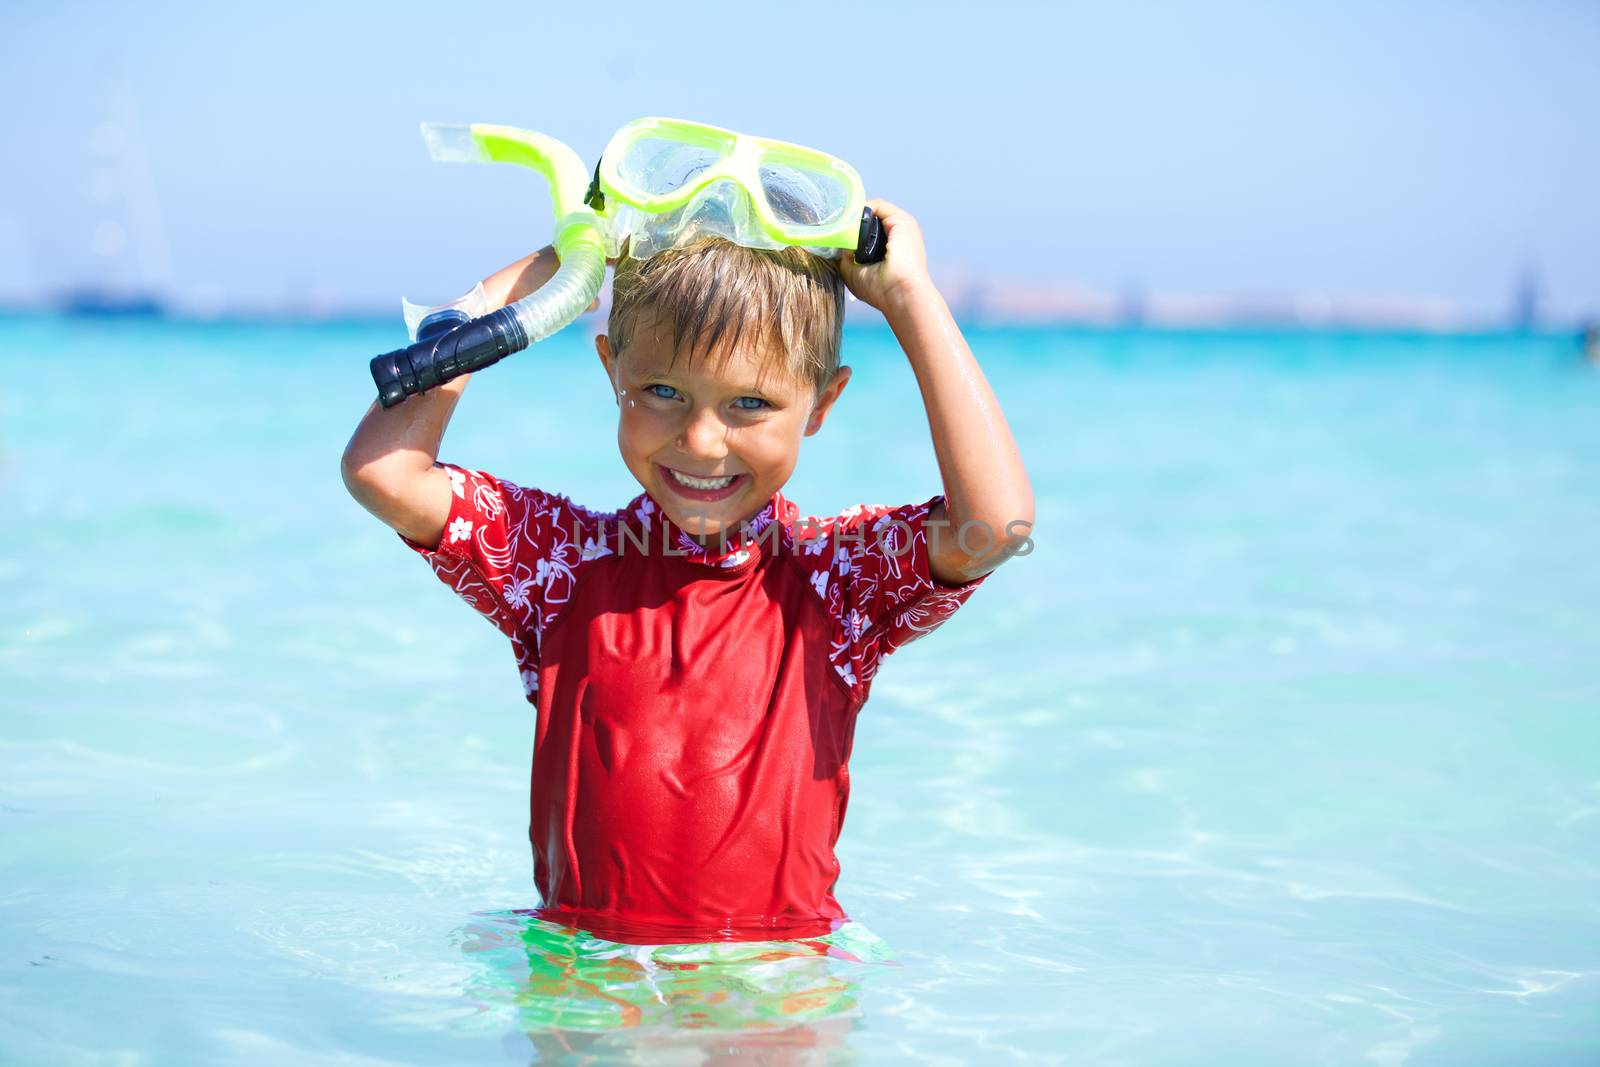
(639, 429)
(774, 449)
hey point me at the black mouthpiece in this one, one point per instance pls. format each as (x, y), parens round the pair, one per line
(873, 242)
(447, 347)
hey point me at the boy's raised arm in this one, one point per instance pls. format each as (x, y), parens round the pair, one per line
(388, 464)
(988, 498)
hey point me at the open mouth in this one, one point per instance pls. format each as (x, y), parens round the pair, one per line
(696, 488)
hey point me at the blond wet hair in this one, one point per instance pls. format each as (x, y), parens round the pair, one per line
(712, 295)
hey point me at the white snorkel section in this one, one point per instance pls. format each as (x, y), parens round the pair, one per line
(456, 342)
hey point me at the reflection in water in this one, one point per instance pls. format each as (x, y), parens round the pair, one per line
(583, 999)
(1281, 749)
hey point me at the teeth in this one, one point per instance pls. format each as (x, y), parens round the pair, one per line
(702, 483)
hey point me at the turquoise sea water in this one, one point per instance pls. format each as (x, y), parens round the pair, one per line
(1282, 746)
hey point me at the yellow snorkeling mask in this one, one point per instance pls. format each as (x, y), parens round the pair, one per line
(662, 182)
(659, 183)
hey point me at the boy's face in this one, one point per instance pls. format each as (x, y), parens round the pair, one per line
(717, 420)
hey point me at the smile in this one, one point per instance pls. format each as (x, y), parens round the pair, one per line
(700, 488)
(701, 483)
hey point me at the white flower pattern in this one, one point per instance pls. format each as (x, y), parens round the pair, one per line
(855, 625)
(518, 587)
(877, 585)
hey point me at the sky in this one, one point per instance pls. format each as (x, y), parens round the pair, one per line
(1353, 150)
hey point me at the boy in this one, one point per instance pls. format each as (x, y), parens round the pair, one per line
(698, 658)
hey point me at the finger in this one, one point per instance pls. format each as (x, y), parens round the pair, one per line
(886, 210)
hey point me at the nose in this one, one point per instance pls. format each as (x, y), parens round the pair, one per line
(704, 435)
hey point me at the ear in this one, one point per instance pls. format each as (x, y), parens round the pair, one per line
(824, 404)
(602, 347)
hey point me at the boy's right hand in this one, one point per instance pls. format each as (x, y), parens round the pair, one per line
(515, 281)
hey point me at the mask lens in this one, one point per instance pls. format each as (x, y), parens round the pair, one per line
(804, 197)
(657, 166)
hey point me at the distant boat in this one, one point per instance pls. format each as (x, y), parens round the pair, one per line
(110, 303)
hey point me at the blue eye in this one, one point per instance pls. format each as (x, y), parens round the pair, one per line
(743, 403)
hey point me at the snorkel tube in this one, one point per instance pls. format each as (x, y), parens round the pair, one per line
(448, 347)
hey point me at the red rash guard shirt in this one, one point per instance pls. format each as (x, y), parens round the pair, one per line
(695, 705)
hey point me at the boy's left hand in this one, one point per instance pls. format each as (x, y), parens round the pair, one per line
(903, 269)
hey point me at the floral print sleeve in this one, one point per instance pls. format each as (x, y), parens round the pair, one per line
(511, 553)
(872, 570)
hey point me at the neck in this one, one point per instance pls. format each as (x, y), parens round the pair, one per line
(731, 538)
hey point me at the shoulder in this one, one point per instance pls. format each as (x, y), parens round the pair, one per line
(872, 564)
(491, 495)
(505, 526)
(859, 553)
(861, 532)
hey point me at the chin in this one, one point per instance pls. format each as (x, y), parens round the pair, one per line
(705, 521)
(696, 527)
(722, 518)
